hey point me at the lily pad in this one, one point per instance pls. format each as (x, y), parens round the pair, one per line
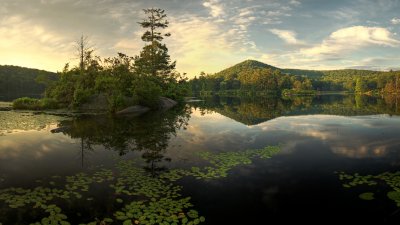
(367, 196)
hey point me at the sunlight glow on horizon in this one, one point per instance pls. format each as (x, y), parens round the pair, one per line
(207, 35)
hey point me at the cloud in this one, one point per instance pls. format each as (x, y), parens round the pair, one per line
(199, 44)
(350, 39)
(31, 45)
(216, 9)
(287, 35)
(395, 21)
(295, 2)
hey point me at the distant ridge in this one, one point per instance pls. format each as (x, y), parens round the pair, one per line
(16, 81)
(233, 71)
(248, 65)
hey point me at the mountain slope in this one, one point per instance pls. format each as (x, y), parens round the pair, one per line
(18, 81)
(232, 72)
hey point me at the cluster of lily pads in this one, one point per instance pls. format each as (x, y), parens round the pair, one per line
(221, 163)
(12, 121)
(139, 196)
(390, 179)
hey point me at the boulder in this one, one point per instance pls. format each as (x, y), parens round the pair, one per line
(163, 104)
(166, 103)
(97, 103)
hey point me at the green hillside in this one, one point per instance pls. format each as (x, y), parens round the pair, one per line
(234, 71)
(254, 76)
(18, 81)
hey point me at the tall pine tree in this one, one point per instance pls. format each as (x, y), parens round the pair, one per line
(154, 60)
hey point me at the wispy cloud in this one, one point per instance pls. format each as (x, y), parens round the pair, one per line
(287, 35)
(23, 40)
(206, 34)
(350, 39)
(215, 7)
(336, 51)
(295, 2)
(395, 21)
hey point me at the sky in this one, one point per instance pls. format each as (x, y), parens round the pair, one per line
(208, 35)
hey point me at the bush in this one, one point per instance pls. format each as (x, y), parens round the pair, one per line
(49, 103)
(26, 103)
(116, 102)
(176, 91)
(146, 92)
(81, 96)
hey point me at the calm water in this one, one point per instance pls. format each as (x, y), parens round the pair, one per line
(318, 139)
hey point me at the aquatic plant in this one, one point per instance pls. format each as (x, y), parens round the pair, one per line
(390, 179)
(139, 196)
(221, 163)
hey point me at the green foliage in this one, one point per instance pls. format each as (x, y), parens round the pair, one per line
(222, 163)
(26, 103)
(144, 78)
(291, 92)
(81, 95)
(142, 197)
(367, 196)
(18, 81)
(255, 76)
(361, 86)
(146, 92)
(154, 59)
(116, 102)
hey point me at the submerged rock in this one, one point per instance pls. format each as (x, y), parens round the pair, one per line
(134, 110)
(163, 104)
(97, 103)
(60, 129)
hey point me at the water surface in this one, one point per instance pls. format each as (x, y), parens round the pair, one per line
(317, 138)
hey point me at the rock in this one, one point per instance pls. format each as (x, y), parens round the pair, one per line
(97, 103)
(60, 129)
(166, 103)
(134, 110)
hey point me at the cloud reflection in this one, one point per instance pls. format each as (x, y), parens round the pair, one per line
(353, 137)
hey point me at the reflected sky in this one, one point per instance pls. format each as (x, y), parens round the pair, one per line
(299, 179)
(355, 137)
(29, 142)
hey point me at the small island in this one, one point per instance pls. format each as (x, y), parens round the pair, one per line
(117, 85)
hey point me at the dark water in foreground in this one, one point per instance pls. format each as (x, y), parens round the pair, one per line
(213, 151)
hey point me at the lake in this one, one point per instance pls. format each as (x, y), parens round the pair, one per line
(221, 160)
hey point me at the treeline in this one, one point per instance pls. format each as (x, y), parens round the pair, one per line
(18, 81)
(249, 77)
(255, 77)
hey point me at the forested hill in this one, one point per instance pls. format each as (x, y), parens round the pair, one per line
(234, 71)
(254, 76)
(18, 81)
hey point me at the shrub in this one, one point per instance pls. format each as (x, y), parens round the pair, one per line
(81, 96)
(26, 103)
(146, 92)
(49, 103)
(116, 102)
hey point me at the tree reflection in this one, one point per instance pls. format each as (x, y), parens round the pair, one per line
(149, 133)
(251, 111)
